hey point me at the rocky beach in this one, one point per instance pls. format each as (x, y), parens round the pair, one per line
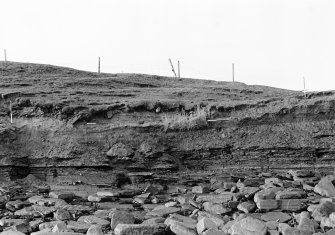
(295, 202)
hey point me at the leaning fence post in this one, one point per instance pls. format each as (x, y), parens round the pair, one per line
(174, 72)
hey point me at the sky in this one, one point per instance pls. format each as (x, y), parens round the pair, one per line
(271, 42)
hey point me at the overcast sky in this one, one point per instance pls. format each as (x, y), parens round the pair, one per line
(271, 42)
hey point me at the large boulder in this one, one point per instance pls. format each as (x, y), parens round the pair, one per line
(121, 217)
(325, 186)
(94, 230)
(205, 224)
(62, 215)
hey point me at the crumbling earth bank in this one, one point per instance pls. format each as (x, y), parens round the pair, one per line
(38, 146)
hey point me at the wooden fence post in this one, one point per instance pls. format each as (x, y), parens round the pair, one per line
(233, 71)
(99, 65)
(178, 69)
(174, 72)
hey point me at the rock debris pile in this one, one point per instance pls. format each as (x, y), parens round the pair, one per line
(298, 202)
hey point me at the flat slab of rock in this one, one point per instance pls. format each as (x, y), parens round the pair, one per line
(11, 233)
(267, 204)
(79, 227)
(247, 191)
(108, 193)
(91, 219)
(52, 233)
(103, 214)
(213, 231)
(216, 208)
(155, 220)
(249, 226)
(48, 225)
(295, 231)
(127, 229)
(178, 228)
(280, 217)
(290, 193)
(44, 210)
(27, 211)
(62, 195)
(290, 204)
(267, 194)
(15, 205)
(200, 189)
(215, 198)
(188, 223)
(218, 220)
(77, 209)
(57, 202)
(163, 212)
(35, 199)
(94, 198)
(11, 222)
(183, 219)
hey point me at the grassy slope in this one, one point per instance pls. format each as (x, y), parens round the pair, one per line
(69, 87)
(66, 87)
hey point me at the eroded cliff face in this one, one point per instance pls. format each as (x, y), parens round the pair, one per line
(40, 145)
(83, 136)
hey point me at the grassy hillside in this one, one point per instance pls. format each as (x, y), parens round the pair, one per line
(54, 88)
